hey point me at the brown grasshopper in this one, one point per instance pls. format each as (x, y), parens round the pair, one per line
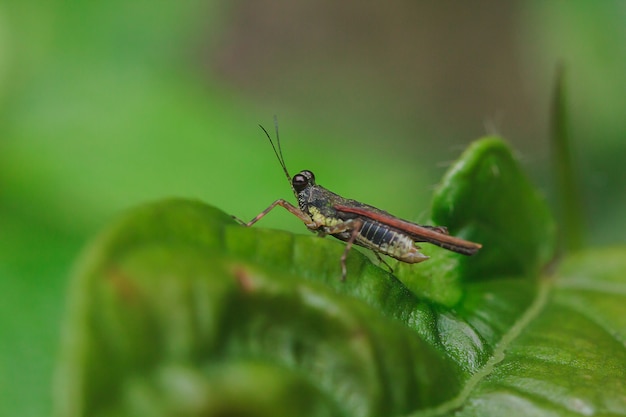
(327, 213)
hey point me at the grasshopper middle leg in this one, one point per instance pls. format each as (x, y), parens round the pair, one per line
(354, 227)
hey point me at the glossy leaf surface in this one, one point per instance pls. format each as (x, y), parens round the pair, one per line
(178, 310)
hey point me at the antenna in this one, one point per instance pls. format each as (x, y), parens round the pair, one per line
(278, 151)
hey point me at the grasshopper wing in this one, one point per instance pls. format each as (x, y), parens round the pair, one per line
(431, 234)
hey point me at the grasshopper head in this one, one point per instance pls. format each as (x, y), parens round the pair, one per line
(302, 184)
(302, 180)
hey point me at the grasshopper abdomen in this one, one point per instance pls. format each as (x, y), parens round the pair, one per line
(386, 240)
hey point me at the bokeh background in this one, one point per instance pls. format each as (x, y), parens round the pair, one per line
(106, 105)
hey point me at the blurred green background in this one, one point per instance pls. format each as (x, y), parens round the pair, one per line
(106, 105)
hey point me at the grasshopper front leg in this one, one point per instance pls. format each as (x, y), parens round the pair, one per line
(353, 226)
(308, 222)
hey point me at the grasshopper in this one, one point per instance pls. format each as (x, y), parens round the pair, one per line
(327, 213)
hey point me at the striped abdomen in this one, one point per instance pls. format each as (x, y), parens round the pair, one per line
(389, 241)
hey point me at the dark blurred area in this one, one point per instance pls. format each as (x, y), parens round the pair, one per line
(418, 65)
(106, 105)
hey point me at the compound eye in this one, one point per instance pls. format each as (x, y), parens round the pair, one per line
(300, 182)
(303, 180)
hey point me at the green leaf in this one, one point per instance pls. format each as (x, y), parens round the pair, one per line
(176, 309)
(158, 293)
(569, 208)
(485, 197)
(568, 357)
